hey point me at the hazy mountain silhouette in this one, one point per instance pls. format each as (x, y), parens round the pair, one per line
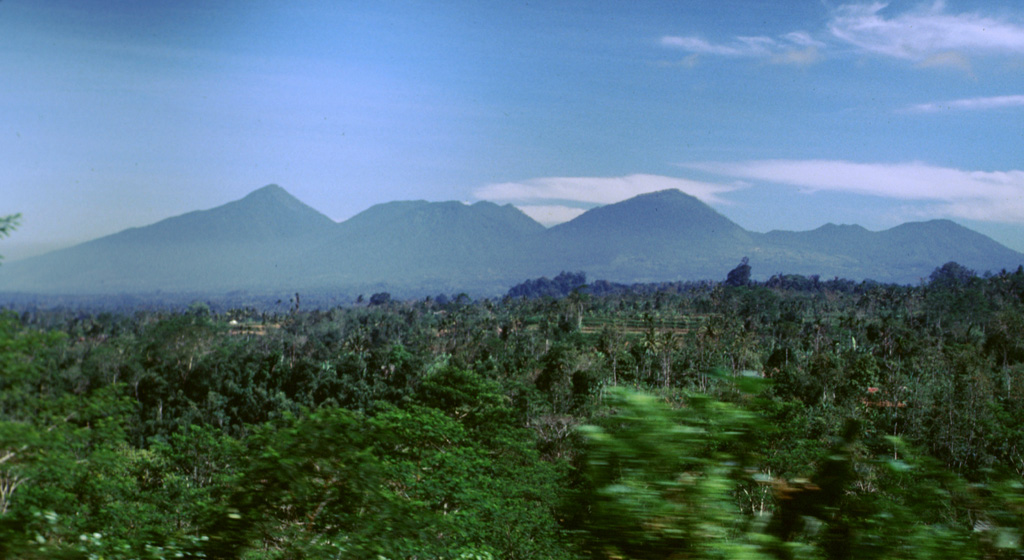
(442, 244)
(266, 215)
(270, 241)
(906, 253)
(235, 246)
(654, 236)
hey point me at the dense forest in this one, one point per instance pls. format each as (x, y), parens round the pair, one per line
(793, 418)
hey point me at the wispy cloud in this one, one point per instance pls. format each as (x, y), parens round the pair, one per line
(928, 35)
(978, 195)
(697, 45)
(924, 32)
(972, 104)
(802, 39)
(797, 47)
(552, 200)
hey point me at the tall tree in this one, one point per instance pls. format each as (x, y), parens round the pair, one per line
(739, 276)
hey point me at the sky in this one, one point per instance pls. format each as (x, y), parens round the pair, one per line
(780, 115)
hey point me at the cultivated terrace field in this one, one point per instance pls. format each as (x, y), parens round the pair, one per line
(791, 419)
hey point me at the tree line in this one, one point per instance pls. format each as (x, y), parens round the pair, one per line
(793, 418)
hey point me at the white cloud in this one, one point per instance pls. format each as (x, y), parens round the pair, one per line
(925, 32)
(566, 195)
(977, 195)
(972, 104)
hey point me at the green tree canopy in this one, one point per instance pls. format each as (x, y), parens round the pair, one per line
(7, 225)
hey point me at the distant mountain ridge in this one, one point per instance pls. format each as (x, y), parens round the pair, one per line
(271, 241)
(653, 236)
(269, 214)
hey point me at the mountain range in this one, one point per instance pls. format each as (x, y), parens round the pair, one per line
(269, 241)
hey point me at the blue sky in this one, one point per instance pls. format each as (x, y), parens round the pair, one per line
(781, 115)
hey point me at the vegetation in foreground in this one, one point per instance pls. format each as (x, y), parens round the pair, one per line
(791, 419)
